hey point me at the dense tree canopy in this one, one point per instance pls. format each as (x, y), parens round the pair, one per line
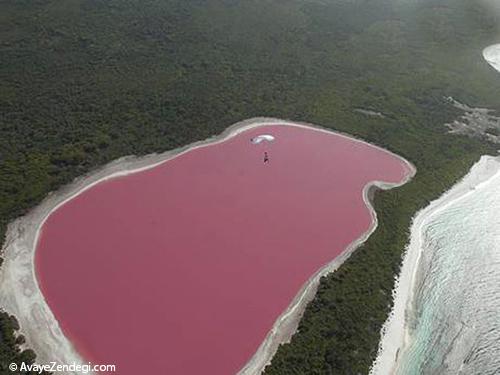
(85, 81)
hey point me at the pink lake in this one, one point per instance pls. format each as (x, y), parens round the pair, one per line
(183, 268)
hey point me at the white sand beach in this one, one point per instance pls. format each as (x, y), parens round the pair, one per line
(492, 55)
(395, 331)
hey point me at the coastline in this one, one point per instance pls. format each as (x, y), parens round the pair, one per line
(22, 297)
(395, 332)
(492, 56)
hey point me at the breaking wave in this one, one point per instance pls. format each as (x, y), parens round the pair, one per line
(454, 323)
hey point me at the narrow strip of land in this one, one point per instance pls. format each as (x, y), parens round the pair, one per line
(396, 331)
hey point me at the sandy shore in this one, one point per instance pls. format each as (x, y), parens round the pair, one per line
(20, 294)
(395, 331)
(492, 55)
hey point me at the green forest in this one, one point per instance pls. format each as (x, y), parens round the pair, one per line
(83, 82)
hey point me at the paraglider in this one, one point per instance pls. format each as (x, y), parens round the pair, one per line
(260, 139)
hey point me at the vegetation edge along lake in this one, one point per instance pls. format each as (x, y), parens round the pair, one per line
(85, 82)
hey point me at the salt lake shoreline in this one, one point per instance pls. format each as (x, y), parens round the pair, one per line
(21, 296)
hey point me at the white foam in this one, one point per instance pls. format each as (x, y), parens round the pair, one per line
(395, 331)
(492, 55)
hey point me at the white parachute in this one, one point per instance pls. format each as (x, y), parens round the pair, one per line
(261, 138)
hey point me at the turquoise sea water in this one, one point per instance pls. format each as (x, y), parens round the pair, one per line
(455, 320)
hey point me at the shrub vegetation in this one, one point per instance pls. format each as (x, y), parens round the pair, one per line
(83, 82)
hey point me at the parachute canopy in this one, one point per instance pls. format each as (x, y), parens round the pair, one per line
(261, 138)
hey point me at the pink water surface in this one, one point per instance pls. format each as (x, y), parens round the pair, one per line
(183, 269)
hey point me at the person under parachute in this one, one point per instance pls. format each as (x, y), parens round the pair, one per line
(260, 139)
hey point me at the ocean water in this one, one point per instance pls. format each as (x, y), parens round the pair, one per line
(454, 323)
